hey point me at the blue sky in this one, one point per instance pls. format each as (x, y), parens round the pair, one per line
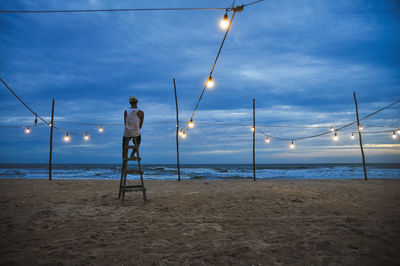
(300, 60)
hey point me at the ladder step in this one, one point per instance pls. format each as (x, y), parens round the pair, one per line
(130, 159)
(136, 186)
(131, 146)
(132, 189)
(133, 172)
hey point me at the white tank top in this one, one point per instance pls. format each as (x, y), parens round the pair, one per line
(132, 125)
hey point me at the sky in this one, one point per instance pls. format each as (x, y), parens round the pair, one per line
(300, 60)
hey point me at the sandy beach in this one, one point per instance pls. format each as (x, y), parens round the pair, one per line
(278, 222)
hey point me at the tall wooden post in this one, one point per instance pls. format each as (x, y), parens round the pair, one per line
(254, 139)
(51, 138)
(177, 133)
(359, 136)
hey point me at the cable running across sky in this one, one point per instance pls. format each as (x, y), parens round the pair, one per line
(124, 9)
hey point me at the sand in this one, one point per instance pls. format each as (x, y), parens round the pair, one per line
(279, 222)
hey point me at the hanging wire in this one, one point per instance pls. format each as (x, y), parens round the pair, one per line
(114, 124)
(215, 62)
(33, 112)
(124, 9)
(337, 129)
(383, 108)
(21, 126)
(112, 10)
(370, 132)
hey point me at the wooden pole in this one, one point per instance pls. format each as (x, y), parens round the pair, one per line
(254, 139)
(51, 138)
(177, 132)
(359, 136)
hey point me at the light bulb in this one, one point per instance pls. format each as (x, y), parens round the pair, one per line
(191, 123)
(66, 138)
(183, 134)
(352, 135)
(50, 125)
(394, 135)
(361, 127)
(266, 140)
(292, 145)
(86, 137)
(101, 129)
(331, 129)
(252, 129)
(27, 130)
(224, 22)
(180, 132)
(335, 137)
(398, 131)
(210, 82)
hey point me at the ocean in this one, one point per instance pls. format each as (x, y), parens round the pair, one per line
(203, 171)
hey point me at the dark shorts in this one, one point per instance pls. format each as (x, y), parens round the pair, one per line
(135, 140)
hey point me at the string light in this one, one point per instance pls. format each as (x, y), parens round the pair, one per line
(180, 132)
(331, 129)
(352, 136)
(394, 135)
(101, 129)
(66, 138)
(86, 137)
(398, 131)
(50, 124)
(224, 22)
(361, 127)
(35, 121)
(210, 82)
(267, 140)
(335, 137)
(27, 130)
(191, 123)
(183, 134)
(252, 129)
(292, 145)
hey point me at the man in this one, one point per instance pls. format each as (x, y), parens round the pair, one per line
(133, 121)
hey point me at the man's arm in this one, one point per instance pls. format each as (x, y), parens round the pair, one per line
(140, 114)
(124, 118)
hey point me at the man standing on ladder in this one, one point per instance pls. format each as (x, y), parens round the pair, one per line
(133, 121)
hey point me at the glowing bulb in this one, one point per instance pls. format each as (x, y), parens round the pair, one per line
(101, 129)
(224, 22)
(292, 145)
(394, 135)
(398, 131)
(252, 129)
(331, 129)
(352, 135)
(86, 137)
(180, 132)
(335, 137)
(210, 82)
(361, 127)
(50, 125)
(66, 138)
(267, 140)
(183, 134)
(191, 124)
(27, 130)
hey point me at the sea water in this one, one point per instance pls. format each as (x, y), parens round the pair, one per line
(203, 171)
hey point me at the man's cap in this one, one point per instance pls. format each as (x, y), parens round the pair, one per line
(133, 99)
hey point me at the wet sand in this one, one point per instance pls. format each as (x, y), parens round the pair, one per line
(279, 222)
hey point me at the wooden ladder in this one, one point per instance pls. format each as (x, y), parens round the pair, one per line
(125, 171)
